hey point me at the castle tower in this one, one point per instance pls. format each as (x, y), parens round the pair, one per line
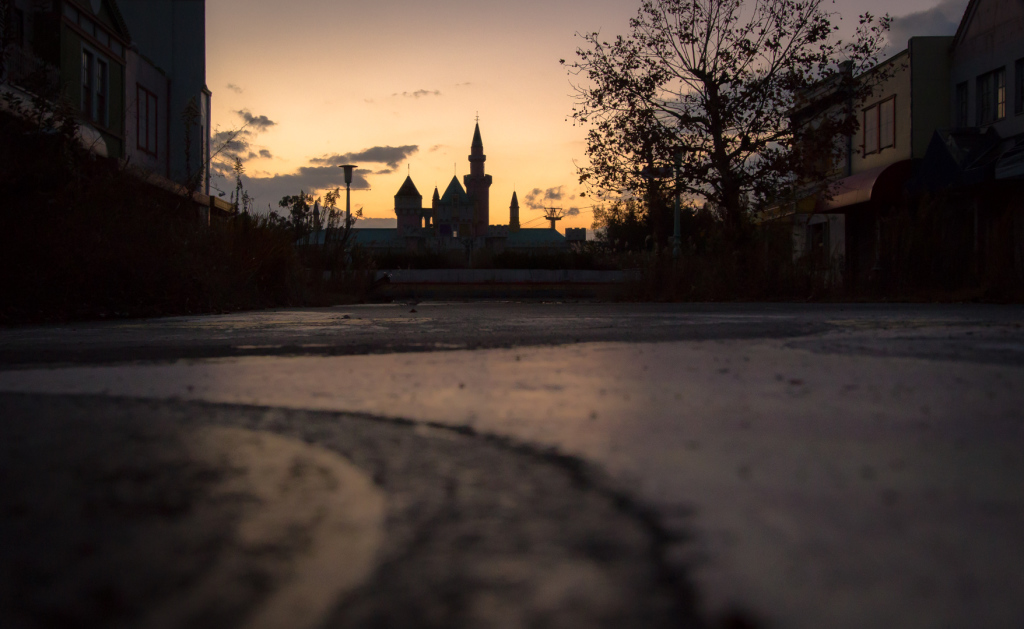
(478, 185)
(408, 207)
(434, 203)
(513, 214)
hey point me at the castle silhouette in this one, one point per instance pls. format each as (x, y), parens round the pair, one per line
(459, 218)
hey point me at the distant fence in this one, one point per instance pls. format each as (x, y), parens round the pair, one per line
(505, 282)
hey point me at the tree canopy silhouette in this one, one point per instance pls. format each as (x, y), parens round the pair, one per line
(721, 82)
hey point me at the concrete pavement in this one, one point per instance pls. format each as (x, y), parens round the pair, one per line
(845, 468)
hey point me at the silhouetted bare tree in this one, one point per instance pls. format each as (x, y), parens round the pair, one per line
(719, 81)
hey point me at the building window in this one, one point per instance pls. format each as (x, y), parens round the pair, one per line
(1018, 87)
(991, 97)
(880, 126)
(102, 80)
(88, 82)
(887, 124)
(95, 86)
(146, 121)
(962, 103)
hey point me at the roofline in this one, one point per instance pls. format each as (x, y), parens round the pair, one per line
(115, 12)
(877, 66)
(963, 22)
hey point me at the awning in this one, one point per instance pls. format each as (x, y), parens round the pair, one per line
(1011, 164)
(879, 185)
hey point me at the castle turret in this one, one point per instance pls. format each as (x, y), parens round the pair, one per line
(408, 207)
(478, 185)
(434, 203)
(513, 213)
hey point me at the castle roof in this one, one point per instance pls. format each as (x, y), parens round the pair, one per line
(408, 189)
(535, 237)
(455, 194)
(515, 201)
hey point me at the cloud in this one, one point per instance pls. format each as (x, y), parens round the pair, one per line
(234, 88)
(322, 173)
(260, 123)
(390, 155)
(537, 199)
(418, 93)
(435, 147)
(238, 144)
(942, 19)
(233, 142)
(311, 179)
(573, 211)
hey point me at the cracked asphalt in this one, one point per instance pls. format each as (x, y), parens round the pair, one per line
(517, 465)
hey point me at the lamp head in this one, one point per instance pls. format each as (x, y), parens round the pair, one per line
(348, 173)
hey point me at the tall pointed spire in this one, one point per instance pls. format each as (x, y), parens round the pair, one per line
(513, 213)
(478, 184)
(478, 144)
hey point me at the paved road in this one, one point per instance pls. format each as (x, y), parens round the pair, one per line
(519, 465)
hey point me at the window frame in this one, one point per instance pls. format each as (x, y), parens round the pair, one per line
(874, 115)
(1018, 87)
(147, 115)
(88, 80)
(963, 104)
(991, 97)
(95, 86)
(102, 114)
(890, 105)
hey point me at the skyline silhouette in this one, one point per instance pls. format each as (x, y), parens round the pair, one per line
(395, 87)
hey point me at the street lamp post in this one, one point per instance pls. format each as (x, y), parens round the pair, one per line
(348, 193)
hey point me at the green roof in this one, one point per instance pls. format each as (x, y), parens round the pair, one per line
(535, 237)
(408, 189)
(377, 237)
(368, 237)
(455, 193)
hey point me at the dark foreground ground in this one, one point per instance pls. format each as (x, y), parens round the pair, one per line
(517, 465)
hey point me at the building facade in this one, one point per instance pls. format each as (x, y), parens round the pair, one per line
(948, 121)
(134, 73)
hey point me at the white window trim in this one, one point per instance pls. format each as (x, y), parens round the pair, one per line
(98, 57)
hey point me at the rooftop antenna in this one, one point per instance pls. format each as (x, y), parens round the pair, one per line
(478, 117)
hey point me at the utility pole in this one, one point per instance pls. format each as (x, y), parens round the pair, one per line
(553, 214)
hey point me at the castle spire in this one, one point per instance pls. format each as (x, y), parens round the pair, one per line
(513, 213)
(478, 184)
(477, 148)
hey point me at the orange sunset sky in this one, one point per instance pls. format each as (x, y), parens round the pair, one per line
(395, 85)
